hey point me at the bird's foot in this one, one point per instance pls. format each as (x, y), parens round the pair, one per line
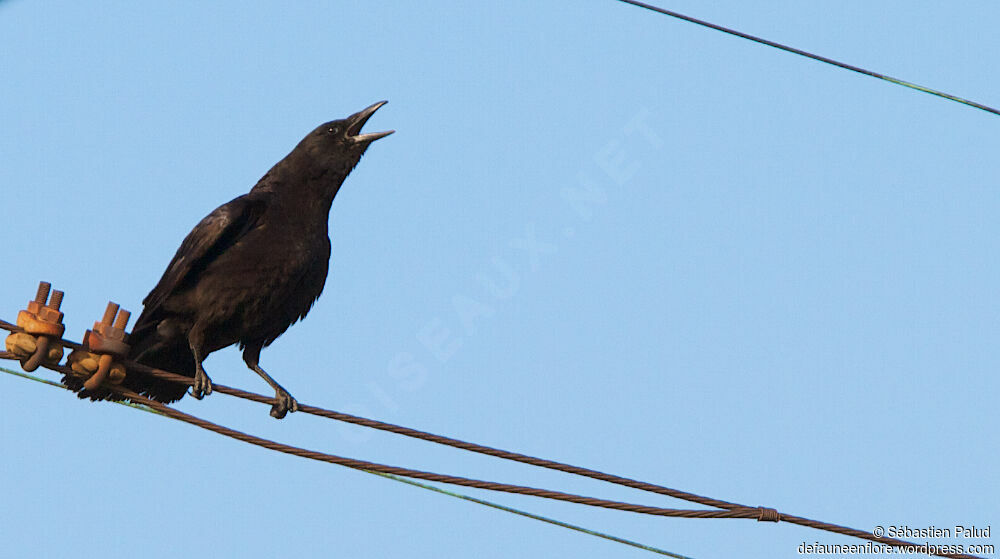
(284, 404)
(202, 384)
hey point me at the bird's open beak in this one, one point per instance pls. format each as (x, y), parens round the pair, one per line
(358, 119)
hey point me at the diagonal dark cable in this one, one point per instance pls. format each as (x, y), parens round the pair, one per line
(824, 59)
(739, 511)
(406, 472)
(400, 479)
(447, 441)
(429, 476)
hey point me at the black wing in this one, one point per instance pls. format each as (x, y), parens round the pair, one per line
(211, 237)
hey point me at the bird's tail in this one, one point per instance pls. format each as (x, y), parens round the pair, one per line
(150, 349)
(169, 354)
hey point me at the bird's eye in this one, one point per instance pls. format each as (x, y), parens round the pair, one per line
(333, 130)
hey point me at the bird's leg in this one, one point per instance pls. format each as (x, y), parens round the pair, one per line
(202, 384)
(284, 402)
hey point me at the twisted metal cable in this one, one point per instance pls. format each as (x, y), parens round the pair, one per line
(439, 439)
(173, 413)
(731, 510)
(429, 476)
(400, 479)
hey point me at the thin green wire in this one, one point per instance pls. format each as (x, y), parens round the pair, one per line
(530, 515)
(417, 484)
(57, 385)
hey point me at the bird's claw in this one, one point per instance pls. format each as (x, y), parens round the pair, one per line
(202, 385)
(283, 404)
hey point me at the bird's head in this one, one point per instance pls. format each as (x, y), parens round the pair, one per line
(323, 159)
(339, 144)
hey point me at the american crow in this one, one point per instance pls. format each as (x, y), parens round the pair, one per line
(250, 269)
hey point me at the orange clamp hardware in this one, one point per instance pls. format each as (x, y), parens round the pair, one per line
(42, 324)
(108, 339)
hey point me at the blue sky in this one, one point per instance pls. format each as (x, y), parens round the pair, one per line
(781, 290)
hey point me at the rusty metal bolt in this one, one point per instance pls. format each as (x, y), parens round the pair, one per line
(104, 342)
(43, 321)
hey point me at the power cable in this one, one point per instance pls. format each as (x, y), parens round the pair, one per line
(399, 479)
(731, 510)
(800, 52)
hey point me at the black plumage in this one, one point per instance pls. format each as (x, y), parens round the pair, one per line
(250, 269)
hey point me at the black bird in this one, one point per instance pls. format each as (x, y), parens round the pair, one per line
(250, 269)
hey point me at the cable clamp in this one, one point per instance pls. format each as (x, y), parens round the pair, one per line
(768, 515)
(43, 328)
(100, 348)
